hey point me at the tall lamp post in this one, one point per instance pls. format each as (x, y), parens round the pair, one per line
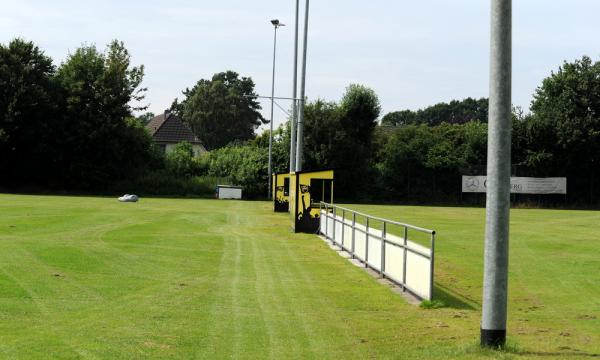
(300, 124)
(276, 25)
(294, 94)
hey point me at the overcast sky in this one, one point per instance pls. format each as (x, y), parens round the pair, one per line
(412, 53)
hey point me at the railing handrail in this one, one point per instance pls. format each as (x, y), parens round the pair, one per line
(427, 231)
(391, 241)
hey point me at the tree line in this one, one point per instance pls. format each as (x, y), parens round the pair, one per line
(72, 126)
(421, 155)
(454, 112)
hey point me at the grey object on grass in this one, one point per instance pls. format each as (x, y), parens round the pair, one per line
(129, 198)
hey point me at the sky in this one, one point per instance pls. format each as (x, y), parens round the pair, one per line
(412, 53)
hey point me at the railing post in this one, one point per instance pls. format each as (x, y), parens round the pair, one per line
(321, 218)
(382, 265)
(334, 220)
(367, 244)
(326, 221)
(353, 232)
(343, 224)
(431, 267)
(404, 267)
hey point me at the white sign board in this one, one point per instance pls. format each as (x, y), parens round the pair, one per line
(518, 185)
(229, 192)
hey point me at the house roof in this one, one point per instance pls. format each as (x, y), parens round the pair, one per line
(170, 129)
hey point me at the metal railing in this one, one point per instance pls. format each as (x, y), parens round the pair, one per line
(398, 259)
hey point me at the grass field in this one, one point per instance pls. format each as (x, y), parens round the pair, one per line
(93, 278)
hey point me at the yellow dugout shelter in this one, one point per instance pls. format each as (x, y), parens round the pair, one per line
(307, 189)
(281, 192)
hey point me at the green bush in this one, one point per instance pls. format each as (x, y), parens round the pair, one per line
(177, 173)
(163, 183)
(181, 161)
(420, 162)
(243, 165)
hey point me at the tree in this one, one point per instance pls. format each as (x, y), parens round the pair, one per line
(565, 126)
(454, 112)
(221, 110)
(399, 118)
(145, 117)
(176, 107)
(27, 111)
(360, 110)
(281, 146)
(322, 134)
(101, 143)
(339, 136)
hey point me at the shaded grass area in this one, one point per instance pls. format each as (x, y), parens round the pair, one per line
(164, 278)
(554, 284)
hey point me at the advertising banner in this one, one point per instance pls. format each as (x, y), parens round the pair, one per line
(518, 185)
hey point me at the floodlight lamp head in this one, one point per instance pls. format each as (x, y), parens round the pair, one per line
(276, 23)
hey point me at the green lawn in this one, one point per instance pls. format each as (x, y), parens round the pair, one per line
(85, 277)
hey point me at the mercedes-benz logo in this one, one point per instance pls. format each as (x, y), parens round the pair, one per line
(472, 183)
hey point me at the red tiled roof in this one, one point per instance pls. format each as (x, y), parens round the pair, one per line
(171, 130)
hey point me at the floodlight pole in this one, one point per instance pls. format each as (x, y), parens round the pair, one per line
(495, 277)
(276, 24)
(294, 94)
(300, 129)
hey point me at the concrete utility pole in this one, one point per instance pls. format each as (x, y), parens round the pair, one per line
(276, 25)
(495, 280)
(294, 94)
(300, 130)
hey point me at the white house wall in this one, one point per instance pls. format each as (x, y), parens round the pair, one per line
(198, 149)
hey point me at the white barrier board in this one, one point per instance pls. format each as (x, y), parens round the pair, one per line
(418, 278)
